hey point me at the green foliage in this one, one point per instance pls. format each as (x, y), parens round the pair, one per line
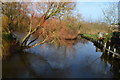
(95, 37)
(107, 37)
(118, 23)
(7, 36)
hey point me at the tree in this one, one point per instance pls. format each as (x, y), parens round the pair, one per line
(111, 13)
(73, 21)
(16, 13)
(5, 22)
(119, 14)
(53, 9)
(50, 10)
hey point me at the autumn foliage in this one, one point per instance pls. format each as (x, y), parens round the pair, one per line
(51, 21)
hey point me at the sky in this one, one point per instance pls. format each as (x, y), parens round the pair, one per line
(59, 0)
(91, 11)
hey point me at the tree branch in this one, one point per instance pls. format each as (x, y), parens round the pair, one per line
(41, 42)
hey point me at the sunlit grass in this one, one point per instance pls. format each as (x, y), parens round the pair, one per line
(93, 36)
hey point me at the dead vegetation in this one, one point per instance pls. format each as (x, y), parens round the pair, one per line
(93, 28)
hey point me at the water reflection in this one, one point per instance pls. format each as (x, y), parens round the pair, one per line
(47, 60)
(114, 64)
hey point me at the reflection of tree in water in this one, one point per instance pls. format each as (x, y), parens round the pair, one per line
(59, 56)
(37, 65)
(84, 41)
(115, 64)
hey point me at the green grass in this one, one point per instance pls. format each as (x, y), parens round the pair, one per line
(93, 36)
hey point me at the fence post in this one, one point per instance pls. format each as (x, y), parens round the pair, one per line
(101, 42)
(108, 50)
(104, 47)
(98, 41)
(114, 49)
(113, 53)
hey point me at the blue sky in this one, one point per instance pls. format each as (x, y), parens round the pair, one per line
(91, 11)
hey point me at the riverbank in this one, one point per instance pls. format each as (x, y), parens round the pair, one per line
(108, 43)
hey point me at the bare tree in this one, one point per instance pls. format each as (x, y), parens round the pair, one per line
(111, 13)
(16, 14)
(50, 9)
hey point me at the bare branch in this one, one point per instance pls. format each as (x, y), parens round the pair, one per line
(41, 42)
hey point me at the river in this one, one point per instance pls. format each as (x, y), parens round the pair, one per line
(82, 60)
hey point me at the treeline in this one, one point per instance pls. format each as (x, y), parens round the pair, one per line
(51, 20)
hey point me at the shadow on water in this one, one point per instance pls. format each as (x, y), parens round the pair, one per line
(25, 65)
(78, 61)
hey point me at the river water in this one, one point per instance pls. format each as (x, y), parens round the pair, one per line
(82, 60)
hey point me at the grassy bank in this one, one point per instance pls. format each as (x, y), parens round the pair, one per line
(106, 38)
(93, 36)
(112, 39)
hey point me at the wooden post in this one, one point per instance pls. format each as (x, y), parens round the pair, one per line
(114, 49)
(108, 49)
(98, 41)
(113, 53)
(104, 47)
(101, 42)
